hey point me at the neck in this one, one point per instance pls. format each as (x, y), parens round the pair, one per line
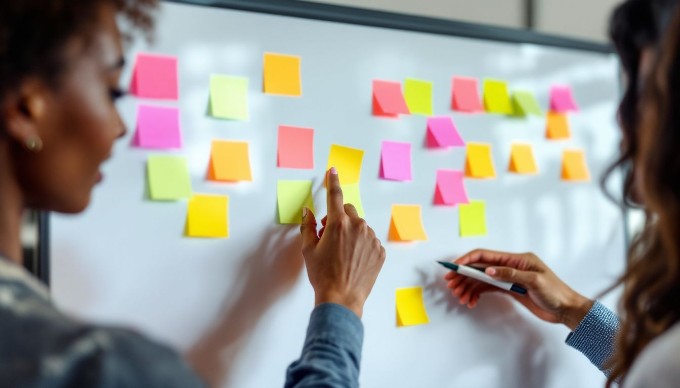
(11, 208)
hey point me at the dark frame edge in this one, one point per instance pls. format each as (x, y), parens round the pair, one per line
(42, 270)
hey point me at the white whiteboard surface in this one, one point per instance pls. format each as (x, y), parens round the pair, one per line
(124, 260)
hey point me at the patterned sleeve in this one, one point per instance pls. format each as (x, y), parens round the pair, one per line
(595, 336)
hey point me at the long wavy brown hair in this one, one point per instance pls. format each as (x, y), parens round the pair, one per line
(651, 297)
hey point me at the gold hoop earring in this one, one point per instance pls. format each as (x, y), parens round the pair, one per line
(34, 144)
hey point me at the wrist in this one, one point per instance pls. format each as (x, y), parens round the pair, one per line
(577, 309)
(350, 302)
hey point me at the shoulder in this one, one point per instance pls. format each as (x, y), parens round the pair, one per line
(659, 363)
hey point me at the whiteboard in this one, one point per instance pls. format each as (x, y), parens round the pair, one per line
(125, 260)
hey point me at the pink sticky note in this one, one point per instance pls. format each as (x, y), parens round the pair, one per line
(155, 76)
(395, 162)
(465, 95)
(388, 99)
(157, 127)
(562, 99)
(442, 133)
(450, 189)
(296, 148)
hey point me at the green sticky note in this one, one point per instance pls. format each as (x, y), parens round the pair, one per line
(352, 195)
(473, 219)
(229, 97)
(292, 197)
(418, 96)
(496, 97)
(525, 104)
(168, 178)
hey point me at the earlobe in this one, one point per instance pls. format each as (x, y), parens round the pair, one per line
(21, 113)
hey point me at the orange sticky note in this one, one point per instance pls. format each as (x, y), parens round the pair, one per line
(478, 162)
(558, 126)
(522, 159)
(208, 216)
(295, 148)
(406, 224)
(229, 161)
(282, 74)
(574, 166)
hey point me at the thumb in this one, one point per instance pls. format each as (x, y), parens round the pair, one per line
(308, 230)
(508, 274)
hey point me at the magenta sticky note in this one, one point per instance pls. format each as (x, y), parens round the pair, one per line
(157, 127)
(450, 189)
(562, 99)
(155, 76)
(395, 161)
(442, 133)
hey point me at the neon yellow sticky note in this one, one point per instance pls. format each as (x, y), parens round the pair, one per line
(411, 307)
(352, 195)
(208, 216)
(479, 162)
(229, 97)
(574, 166)
(282, 74)
(406, 224)
(168, 178)
(348, 163)
(497, 97)
(292, 196)
(557, 126)
(472, 217)
(522, 159)
(526, 104)
(418, 94)
(229, 161)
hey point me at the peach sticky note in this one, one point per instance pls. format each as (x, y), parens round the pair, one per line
(479, 162)
(352, 195)
(522, 159)
(557, 127)
(395, 161)
(442, 133)
(574, 166)
(472, 219)
(229, 97)
(155, 76)
(282, 74)
(229, 161)
(465, 95)
(526, 104)
(168, 178)
(157, 127)
(295, 147)
(406, 224)
(411, 307)
(562, 99)
(208, 216)
(418, 95)
(497, 97)
(388, 99)
(292, 196)
(348, 163)
(450, 188)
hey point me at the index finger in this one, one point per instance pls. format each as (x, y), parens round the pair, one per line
(334, 198)
(484, 256)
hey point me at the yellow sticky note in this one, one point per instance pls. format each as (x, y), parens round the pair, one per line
(208, 216)
(496, 97)
(479, 162)
(229, 161)
(418, 95)
(292, 196)
(522, 159)
(472, 218)
(282, 74)
(557, 126)
(574, 166)
(411, 307)
(352, 195)
(348, 163)
(229, 97)
(406, 224)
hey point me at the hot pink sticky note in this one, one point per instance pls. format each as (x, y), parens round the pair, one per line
(562, 99)
(388, 99)
(450, 189)
(465, 95)
(157, 127)
(155, 76)
(395, 161)
(296, 148)
(442, 133)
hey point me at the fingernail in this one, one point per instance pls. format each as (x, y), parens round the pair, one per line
(304, 213)
(491, 271)
(334, 171)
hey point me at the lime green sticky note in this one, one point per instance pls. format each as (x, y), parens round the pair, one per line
(526, 104)
(229, 97)
(418, 96)
(292, 197)
(473, 219)
(168, 178)
(497, 97)
(352, 195)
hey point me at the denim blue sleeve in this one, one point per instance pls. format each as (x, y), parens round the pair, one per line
(595, 335)
(332, 351)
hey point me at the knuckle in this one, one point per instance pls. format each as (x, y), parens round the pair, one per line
(335, 191)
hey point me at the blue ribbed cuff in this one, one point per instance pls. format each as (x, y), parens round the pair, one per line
(337, 324)
(595, 336)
